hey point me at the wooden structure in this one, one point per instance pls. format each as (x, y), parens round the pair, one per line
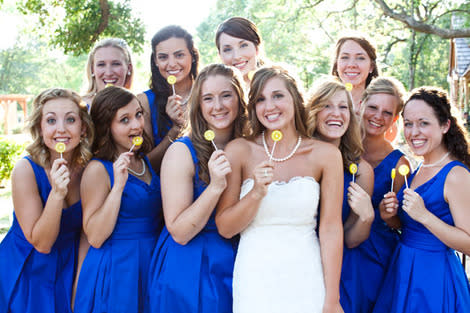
(9, 112)
(459, 69)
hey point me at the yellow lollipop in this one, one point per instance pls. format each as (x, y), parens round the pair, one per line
(60, 148)
(276, 135)
(172, 81)
(404, 170)
(209, 135)
(348, 86)
(250, 75)
(353, 170)
(136, 141)
(393, 174)
(108, 85)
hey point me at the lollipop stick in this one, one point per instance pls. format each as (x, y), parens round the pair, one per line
(353, 177)
(406, 182)
(61, 155)
(133, 145)
(173, 87)
(213, 143)
(272, 151)
(391, 189)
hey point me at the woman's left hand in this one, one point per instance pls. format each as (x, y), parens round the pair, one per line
(413, 204)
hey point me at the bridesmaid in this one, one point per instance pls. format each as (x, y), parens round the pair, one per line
(192, 265)
(121, 208)
(173, 53)
(240, 45)
(381, 104)
(109, 62)
(355, 62)
(332, 119)
(425, 274)
(38, 255)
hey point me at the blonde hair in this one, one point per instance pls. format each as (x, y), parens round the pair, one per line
(197, 125)
(351, 142)
(117, 43)
(385, 85)
(37, 149)
(260, 78)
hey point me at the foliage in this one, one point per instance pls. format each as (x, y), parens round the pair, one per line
(9, 153)
(78, 24)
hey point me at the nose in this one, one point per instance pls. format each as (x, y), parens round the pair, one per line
(218, 103)
(236, 53)
(414, 130)
(60, 125)
(335, 111)
(171, 61)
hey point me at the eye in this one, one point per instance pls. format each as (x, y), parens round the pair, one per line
(225, 50)
(344, 57)
(407, 124)
(139, 114)
(124, 120)
(343, 107)
(50, 121)
(278, 96)
(227, 95)
(117, 63)
(244, 45)
(372, 107)
(423, 124)
(162, 57)
(388, 113)
(100, 64)
(361, 58)
(70, 120)
(260, 99)
(206, 98)
(179, 55)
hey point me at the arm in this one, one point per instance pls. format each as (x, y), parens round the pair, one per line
(456, 194)
(175, 113)
(100, 202)
(235, 214)
(183, 217)
(331, 228)
(357, 226)
(40, 225)
(388, 211)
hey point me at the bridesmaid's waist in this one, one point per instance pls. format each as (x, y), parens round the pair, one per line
(135, 228)
(423, 241)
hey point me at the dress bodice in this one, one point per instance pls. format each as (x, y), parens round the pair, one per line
(416, 234)
(287, 203)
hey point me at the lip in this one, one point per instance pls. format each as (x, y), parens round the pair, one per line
(375, 124)
(110, 81)
(272, 117)
(418, 143)
(174, 72)
(334, 123)
(220, 116)
(240, 65)
(62, 139)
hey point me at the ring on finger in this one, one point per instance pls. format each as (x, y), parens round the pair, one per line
(265, 173)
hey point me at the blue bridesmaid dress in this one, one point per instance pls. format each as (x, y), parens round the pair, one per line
(369, 261)
(424, 274)
(157, 137)
(349, 287)
(31, 281)
(114, 277)
(196, 277)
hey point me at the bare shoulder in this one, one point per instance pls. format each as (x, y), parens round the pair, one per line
(365, 168)
(238, 146)
(95, 172)
(142, 97)
(22, 170)
(321, 149)
(458, 176)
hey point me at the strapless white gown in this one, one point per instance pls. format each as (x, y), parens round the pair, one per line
(278, 265)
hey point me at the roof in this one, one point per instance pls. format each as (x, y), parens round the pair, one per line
(462, 51)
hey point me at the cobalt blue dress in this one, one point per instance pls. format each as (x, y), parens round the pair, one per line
(31, 281)
(424, 274)
(196, 277)
(114, 277)
(157, 137)
(373, 255)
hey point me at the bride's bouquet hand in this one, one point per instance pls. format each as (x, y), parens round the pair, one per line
(263, 176)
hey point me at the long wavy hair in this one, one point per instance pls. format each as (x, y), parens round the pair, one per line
(243, 28)
(158, 83)
(197, 125)
(351, 142)
(103, 110)
(117, 43)
(38, 151)
(260, 78)
(366, 45)
(456, 139)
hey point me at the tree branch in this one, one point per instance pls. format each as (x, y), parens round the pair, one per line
(420, 26)
(104, 6)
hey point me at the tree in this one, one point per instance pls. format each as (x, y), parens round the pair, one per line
(77, 24)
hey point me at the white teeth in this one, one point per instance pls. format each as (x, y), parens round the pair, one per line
(173, 72)
(418, 142)
(375, 124)
(272, 117)
(351, 74)
(239, 65)
(110, 81)
(334, 123)
(61, 139)
(220, 115)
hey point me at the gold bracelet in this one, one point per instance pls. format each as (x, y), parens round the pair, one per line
(169, 138)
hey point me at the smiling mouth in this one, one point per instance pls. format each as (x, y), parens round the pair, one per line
(272, 117)
(173, 72)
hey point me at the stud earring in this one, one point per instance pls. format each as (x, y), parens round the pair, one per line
(92, 74)
(129, 73)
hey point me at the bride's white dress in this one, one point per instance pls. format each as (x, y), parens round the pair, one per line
(278, 266)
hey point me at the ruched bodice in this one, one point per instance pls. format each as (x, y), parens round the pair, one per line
(278, 265)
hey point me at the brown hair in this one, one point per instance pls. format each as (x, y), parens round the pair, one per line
(103, 110)
(351, 143)
(198, 125)
(385, 85)
(366, 45)
(260, 78)
(37, 149)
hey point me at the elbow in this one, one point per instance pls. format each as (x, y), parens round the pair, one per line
(179, 239)
(178, 236)
(225, 233)
(95, 243)
(41, 248)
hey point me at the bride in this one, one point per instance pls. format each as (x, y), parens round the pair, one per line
(273, 196)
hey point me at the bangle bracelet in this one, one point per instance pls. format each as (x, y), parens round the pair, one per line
(169, 138)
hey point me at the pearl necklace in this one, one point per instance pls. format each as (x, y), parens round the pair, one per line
(284, 158)
(138, 174)
(436, 163)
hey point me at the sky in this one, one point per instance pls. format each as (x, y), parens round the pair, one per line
(186, 13)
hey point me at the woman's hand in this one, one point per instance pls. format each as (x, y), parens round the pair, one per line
(263, 176)
(60, 178)
(360, 202)
(388, 206)
(120, 169)
(219, 167)
(175, 110)
(413, 204)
